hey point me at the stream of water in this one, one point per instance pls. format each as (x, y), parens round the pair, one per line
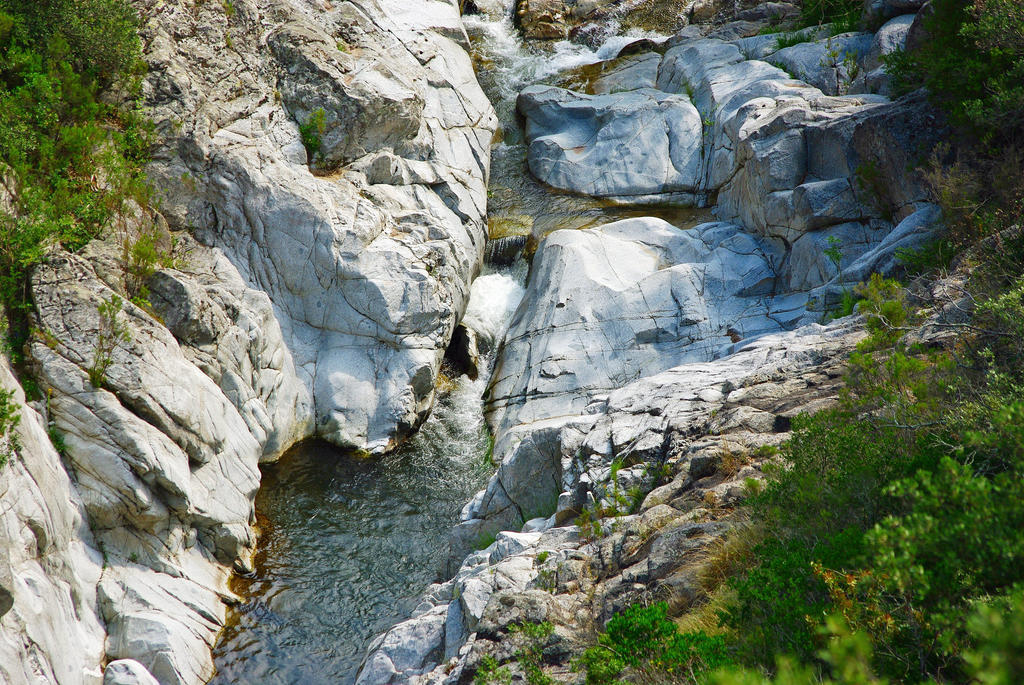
(346, 544)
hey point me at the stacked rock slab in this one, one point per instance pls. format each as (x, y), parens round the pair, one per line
(320, 302)
(680, 420)
(711, 122)
(50, 566)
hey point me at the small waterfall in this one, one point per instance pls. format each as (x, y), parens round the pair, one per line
(505, 251)
(492, 301)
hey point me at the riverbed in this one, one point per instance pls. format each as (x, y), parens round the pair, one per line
(348, 544)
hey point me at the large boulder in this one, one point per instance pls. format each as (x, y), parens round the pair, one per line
(636, 143)
(607, 305)
(830, 65)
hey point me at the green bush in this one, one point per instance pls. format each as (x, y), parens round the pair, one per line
(973, 65)
(72, 160)
(645, 641)
(844, 15)
(110, 333)
(311, 133)
(99, 38)
(10, 417)
(997, 634)
(838, 467)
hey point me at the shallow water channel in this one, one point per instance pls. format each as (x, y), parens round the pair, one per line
(347, 545)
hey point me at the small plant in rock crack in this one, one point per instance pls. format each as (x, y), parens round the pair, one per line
(848, 304)
(547, 579)
(490, 673)
(111, 332)
(10, 417)
(312, 131)
(530, 656)
(589, 523)
(141, 256)
(533, 638)
(844, 66)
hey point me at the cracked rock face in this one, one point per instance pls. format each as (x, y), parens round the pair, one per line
(711, 120)
(49, 564)
(367, 251)
(164, 452)
(640, 348)
(682, 419)
(607, 305)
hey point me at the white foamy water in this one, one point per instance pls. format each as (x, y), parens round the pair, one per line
(516, 65)
(492, 301)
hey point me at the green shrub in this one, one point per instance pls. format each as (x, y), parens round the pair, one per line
(141, 256)
(929, 258)
(99, 38)
(838, 467)
(648, 643)
(786, 40)
(960, 541)
(72, 159)
(973, 65)
(10, 417)
(780, 602)
(490, 673)
(534, 637)
(997, 635)
(311, 132)
(882, 302)
(110, 333)
(844, 15)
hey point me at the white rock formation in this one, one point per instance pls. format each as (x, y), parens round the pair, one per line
(567, 457)
(635, 143)
(605, 306)
(49, 563)
(323, 307)
(368, 260)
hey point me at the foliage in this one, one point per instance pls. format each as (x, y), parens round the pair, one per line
(71, 160)
(882, 302)
(844, 15)
(530, 655)
(485, 540)
(311, 132)
(960, 539)
(838, 467)
(140, 258)
(972, 64)
(786, 40)
(997, 629)
(533, 637)
(931, 257)
(848, 654)
(490, 672)
(644, 641)
(110, 333)
(10, 417)
(100, 37)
